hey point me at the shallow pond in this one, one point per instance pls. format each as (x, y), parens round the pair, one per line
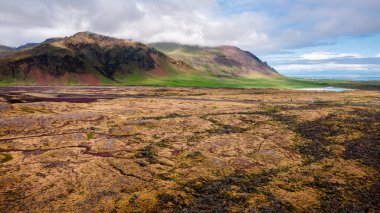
(334, 89)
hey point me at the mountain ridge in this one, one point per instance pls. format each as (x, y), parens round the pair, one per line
(228, 61)
(90, 58)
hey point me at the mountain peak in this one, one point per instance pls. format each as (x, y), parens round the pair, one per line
(89, 34)
(88, 37)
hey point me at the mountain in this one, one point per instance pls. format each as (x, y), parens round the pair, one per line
(31, 45)
(87, 58)
(5, 50)
(27, 45)
(223, 61)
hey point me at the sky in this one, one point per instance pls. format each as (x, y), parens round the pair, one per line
(296, 37)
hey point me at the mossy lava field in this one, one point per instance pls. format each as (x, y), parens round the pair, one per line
(160, 149)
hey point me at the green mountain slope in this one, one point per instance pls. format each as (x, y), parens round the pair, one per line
(223, 61)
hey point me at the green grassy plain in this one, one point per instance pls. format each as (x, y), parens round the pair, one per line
(173, 79)
(215, 82)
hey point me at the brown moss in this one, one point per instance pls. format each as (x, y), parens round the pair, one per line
(218, 152)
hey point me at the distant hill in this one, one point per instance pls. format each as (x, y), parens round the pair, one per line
(223, 61)
(89, 59)
(4, 50)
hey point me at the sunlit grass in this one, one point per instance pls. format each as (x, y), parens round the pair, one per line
(175, 78)
(214, 82)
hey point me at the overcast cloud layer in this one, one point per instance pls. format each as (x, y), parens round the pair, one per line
(261, 26)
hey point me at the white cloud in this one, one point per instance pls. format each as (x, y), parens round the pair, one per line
(192, 22)
(261, 26)
(377, 56)
(328, 55)
(327, 67)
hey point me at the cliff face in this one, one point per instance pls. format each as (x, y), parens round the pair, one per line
(248, 63)
(108, 55)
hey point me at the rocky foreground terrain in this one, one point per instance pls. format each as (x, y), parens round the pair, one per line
(156, 149)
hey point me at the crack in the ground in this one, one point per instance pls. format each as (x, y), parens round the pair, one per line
(60, 134)
(127, 174)
(87, 150)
